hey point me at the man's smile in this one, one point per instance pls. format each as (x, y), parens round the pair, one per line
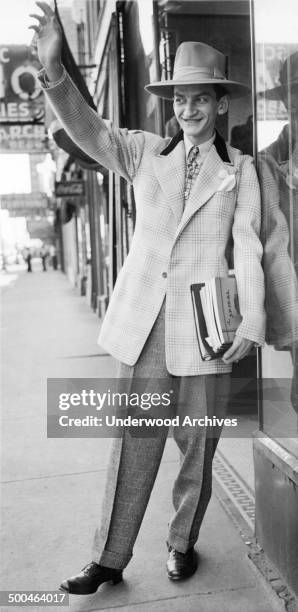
(192, 121)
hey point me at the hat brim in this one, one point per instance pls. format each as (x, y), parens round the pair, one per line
(277, 93)
(165, 89)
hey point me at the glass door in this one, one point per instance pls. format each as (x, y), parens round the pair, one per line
(276, 79)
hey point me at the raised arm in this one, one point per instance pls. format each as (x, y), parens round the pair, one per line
(117, 149)
(48, 37)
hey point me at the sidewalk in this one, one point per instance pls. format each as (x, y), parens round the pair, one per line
(52, 487)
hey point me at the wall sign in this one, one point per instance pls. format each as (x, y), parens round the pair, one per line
(21, 98)
(69, 188)
(23, 138)
(22, 105)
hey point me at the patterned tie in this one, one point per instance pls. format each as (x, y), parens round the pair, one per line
(192, 169)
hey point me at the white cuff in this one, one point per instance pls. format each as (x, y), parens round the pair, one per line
(44, 79)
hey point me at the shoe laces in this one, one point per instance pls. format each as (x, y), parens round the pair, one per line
(176, 553)
(88, 568)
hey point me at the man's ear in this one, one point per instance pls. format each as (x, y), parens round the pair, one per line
(223, 105)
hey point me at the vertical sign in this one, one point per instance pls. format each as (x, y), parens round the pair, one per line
(21, 100)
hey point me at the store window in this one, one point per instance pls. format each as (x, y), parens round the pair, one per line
(276, 55)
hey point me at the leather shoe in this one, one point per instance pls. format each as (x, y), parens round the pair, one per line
(90, 578)
(181, 565)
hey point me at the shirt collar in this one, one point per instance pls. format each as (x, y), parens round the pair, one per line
(219, 143)
(204, 147)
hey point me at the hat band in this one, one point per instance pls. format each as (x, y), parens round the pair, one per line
(192, 72)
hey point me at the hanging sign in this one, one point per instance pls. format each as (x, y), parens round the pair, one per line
(21, 97)
(23, 139)
(69, 188)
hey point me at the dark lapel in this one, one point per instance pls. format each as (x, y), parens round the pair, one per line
(219, 144)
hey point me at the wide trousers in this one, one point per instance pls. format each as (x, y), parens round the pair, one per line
(135, 458)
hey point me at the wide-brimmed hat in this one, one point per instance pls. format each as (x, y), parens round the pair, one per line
(288, 78)
(198, 64)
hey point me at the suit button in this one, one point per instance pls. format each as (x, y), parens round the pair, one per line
(164, 275)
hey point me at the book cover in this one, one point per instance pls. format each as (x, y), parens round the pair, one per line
(226, 306)
(206, 351)
(217, 315)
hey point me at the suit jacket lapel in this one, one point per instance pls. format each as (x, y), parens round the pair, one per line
(170, 168)
(207, 183)
(170, 172)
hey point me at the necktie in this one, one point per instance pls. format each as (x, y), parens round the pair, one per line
(192, 168)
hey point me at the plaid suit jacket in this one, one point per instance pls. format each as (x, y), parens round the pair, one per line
(279, 210)
(172, 248)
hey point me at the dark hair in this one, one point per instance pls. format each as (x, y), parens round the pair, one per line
(219, 91)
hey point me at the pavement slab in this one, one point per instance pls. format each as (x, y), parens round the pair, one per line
(52, 488)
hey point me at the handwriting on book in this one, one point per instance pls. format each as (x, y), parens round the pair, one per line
(232, 306)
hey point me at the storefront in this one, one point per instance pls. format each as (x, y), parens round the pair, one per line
(276, 149)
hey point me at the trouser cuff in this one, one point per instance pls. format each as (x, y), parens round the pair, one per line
(111, 559)
(179, 543)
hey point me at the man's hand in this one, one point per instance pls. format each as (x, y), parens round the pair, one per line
(49, 41)
(239, 349)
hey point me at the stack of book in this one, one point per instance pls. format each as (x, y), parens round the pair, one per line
(217, 315)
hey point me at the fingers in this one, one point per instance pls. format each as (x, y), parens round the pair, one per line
(45, 8)
(230, 354)
(40, 18)
(234, 358)
(231, 359)
(44, 20)
(239, 349)
(34, 40)
(35, 28)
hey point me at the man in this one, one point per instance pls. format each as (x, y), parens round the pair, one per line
(44, 255)
(28, 257)
(278, 173)
(193, 193)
